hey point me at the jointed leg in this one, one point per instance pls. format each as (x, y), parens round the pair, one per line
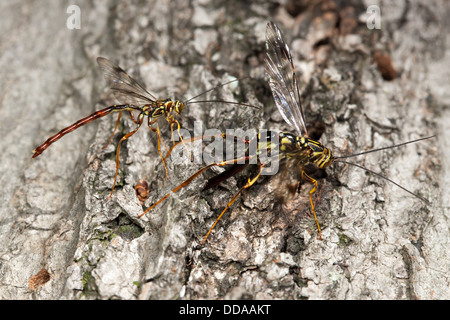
(158, 133)
(172, 122)
(140, 119)
(117, 125)
(307, 178)
(249, 183)
(114, 131)
(191, 178)
(132, 117)
(171, 131)
(162, 141)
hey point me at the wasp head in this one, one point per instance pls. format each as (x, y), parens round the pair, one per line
(178, 106)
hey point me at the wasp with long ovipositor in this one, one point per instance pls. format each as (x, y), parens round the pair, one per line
(134, 98)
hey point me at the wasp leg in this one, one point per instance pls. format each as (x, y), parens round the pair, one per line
(117, 125)
(191, 178)
(307, 178)
(249, 183)
(114, 131)
(125, 137)
(172, 122)
(132, 117)
(158, 132)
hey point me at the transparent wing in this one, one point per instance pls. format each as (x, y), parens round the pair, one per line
(125, 88)
(282, 80)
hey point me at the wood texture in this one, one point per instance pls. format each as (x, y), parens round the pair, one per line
(366, 88)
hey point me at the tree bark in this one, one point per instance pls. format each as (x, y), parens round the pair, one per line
(362, 88)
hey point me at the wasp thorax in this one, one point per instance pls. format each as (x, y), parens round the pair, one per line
(290, 144)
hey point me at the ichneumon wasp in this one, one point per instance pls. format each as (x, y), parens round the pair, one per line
(134, 97)
(297, 148)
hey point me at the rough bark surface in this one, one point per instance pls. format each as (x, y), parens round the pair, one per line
(366, 88)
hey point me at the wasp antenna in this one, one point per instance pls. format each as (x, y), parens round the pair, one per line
(384, 148)
(230, 102)
(381, 176)
(214, 88)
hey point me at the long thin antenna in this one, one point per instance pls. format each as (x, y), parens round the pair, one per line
(381, 176)
(230, 102)
(214, 88)
(384, 148)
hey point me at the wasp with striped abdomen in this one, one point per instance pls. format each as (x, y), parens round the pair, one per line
(297, 148)
(134, 98)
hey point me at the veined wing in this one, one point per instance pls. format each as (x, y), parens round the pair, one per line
(125, 88)
(282, 80)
